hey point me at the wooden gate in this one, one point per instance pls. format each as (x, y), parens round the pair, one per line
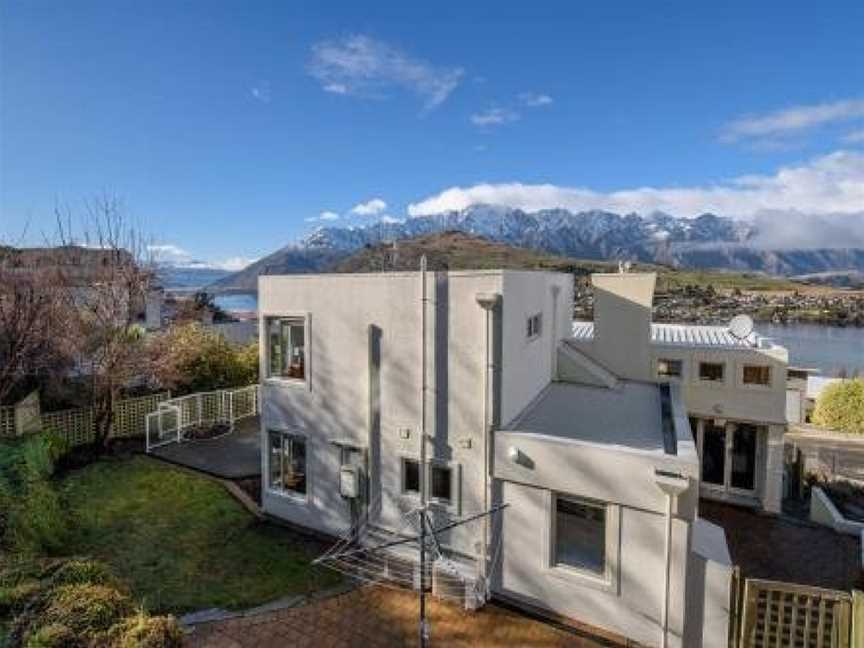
(775, 615)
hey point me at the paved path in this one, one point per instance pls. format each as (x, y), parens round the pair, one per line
(379, 617)
(766, 546)
(234, 456)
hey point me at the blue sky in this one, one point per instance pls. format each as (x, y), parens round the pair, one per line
(229, 128)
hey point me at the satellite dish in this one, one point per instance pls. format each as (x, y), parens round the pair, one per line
(741, 326)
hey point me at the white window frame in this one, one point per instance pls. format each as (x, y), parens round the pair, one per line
(609, 580)
(726, 487)
(664, 377)
(757, 386)
(454, 505)
(697, 375)
(534, 326)
(294, 496)
(264, 336)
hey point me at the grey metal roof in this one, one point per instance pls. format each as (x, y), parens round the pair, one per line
(684, 335)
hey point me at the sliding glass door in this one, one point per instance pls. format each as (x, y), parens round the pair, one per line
(729, 454)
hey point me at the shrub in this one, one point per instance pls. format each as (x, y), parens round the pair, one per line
(41, 454)
(841, 407)
(55, 635)
(143, 631)
(13, 598)
(88, 610)
(191, 358)
(80, 571)
(38, 523)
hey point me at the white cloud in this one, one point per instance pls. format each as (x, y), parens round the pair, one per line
(169, 253)
(855, 137)
(494, 117)
(370, 207)
(533, 100)
(233, 264)
(390, 219)
(261, 91)
(792, 120)
(325, 215)
(832, 183)
(362, 66)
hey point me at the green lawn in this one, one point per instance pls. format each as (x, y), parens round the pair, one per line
(181, 541)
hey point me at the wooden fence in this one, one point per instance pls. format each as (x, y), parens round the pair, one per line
(78, 426)
(772, 614)
(7, 421)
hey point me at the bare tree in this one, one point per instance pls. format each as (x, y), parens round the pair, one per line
(28, 320)
(105, 291)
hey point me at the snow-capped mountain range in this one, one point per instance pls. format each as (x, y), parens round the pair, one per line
(707, 241)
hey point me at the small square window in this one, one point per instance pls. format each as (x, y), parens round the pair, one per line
(410, 476)
(667, 368)
(442, 484)
(756, 375)
(711, 371)
(286, 347)
(534, 326)
(580, 535)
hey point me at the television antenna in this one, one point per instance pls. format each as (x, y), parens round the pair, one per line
(741, 326)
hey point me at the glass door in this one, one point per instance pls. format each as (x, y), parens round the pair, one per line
(743, 457)
(713, 453)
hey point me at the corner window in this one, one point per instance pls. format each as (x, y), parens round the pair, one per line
(287, 470)
(411, 476)
(442, 484)
(711, 371)
(667, 368)
(286, 347)
(756, 375)
(534, 326)
(580, 535)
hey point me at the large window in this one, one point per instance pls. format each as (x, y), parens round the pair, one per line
(756, 375)
(669, 368)
(442, 483)
(729, 455)
(287, 463)
(580, 535)
(411, 476)
(711, 371)
(286, 347)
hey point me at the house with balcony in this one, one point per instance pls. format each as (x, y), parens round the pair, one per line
(477, 390)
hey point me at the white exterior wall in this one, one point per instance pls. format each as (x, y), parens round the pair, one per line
(334, 401)
(631, 605)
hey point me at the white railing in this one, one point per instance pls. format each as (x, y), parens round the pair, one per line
(169, 423)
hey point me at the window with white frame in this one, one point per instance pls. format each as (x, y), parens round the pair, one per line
(579, 535)
(534, 326)
(287, 469)
(441, 487)
(410, 476)
(439, 480)
(756, 375)
(286, 347)
(712, 371)
(670, 368)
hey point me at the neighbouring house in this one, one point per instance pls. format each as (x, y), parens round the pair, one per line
(590, 433)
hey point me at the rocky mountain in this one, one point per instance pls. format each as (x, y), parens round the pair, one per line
(706, 242)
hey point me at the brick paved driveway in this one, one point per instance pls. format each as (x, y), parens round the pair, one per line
(378, 617)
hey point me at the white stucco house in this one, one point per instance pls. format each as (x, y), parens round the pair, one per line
(590, 433)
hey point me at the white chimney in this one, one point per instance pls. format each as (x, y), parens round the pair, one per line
(622, 322)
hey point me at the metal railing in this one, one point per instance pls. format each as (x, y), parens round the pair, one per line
(169, 423)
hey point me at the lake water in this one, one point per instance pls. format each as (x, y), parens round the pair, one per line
(828, 348)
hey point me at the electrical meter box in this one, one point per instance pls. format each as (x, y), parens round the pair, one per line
(349, 481)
